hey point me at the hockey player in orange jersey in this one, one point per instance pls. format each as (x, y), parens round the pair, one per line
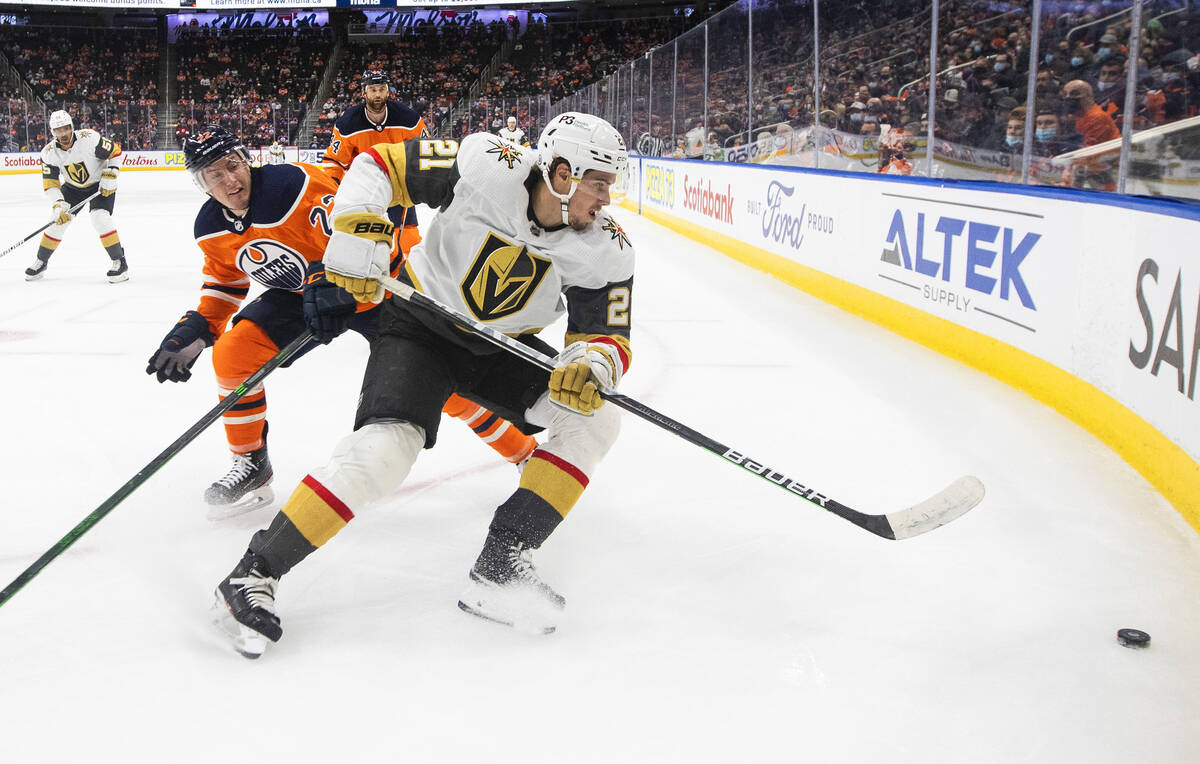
(378, 119)
(269, 224)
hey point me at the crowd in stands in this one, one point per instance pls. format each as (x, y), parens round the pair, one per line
(257, 82)
(109, 76)
(875, 84)
(708, 95)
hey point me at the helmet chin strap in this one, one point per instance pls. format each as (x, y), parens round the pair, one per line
(563, 199)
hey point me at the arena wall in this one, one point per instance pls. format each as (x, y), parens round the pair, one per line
(1087, 301)
(30, 162)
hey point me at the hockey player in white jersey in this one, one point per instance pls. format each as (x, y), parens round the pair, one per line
(521, 239)
(76, 165)
(510, 132)
(275, 153)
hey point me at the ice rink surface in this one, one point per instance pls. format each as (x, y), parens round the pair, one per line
(711, 617)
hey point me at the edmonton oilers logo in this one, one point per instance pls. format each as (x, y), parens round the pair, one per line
(273, 265)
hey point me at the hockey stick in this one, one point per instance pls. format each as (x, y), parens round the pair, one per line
(154, 466)
(74, 209)
(951, 502)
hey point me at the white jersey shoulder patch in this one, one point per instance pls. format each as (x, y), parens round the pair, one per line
(485, 159)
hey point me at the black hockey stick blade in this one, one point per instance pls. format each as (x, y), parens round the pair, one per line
(74, 209)
(154, 466)
(950, 503)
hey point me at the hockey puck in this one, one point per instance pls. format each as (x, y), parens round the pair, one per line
(1133, 638)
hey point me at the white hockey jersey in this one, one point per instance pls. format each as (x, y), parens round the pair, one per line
(483, 254)
(516, 136)
(275, 154)
(79, 166)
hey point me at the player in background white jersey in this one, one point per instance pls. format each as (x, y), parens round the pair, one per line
(275, 153)
(510, 132)
(521, 239)
(76, 165)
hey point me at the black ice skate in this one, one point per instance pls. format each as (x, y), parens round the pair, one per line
(246, 487)
(244, 609)
(37, 270)
(505, 587)
(118, 272)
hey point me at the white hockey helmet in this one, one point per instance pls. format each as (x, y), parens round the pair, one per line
(587, 143)
(61, 119)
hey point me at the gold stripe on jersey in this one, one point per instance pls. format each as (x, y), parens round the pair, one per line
(49, 183)
(412, 276)
(395, 160)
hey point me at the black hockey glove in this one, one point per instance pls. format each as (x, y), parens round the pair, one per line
(179, 350)
(327, 307)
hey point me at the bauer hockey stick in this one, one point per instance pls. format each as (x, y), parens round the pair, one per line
(74, 209)
(951, 502)
(154, 466)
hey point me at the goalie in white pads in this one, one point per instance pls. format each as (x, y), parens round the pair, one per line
(521, 238)
(76, 165)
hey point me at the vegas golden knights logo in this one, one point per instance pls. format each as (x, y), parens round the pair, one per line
(78, 173)
(502, 279)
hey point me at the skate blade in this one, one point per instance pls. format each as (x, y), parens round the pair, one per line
(34, 278)
(247, 642)
(522, 610)
(256, 499)
(527, 629)
(118, 279)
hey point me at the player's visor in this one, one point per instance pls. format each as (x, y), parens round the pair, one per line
(227, 167)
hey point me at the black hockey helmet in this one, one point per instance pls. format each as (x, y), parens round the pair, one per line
(207, 145)
(374, 77)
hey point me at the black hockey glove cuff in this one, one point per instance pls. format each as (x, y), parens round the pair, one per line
(327, 307)
(180, 348)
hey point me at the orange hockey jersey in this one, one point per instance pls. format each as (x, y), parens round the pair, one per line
(353, 134)
(286, 228)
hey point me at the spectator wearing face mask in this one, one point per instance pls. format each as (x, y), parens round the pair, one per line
(1081, 58)
(1110, 86)
(1176, 95)
(1004, 75)
(1059, 60)
(855, 116)
(1108, 47)
(1095, 126)
(1014, 132)
(1048, 135)
(1091, 122)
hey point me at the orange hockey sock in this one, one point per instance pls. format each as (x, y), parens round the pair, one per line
(506, 440)
(237, 354)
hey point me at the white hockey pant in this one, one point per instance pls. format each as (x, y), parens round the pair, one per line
(579, 440)
(371, 462)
